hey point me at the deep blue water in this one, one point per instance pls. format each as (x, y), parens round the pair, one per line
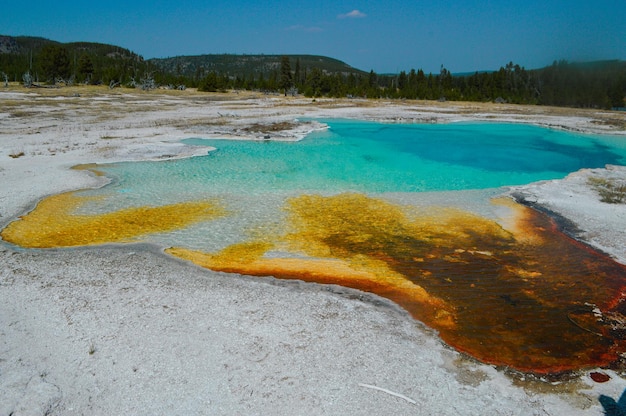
(252, 178)
(373, 157)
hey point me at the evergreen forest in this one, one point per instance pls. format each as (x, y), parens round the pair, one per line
(39, 62)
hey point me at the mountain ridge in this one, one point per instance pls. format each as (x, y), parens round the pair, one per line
(182, 65)
(240, 64)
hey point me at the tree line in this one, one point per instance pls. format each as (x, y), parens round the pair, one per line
(594, 85)
(587, 85)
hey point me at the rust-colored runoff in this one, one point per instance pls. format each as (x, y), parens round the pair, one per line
(527, 297)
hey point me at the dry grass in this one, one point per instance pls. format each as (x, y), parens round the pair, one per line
(611, 191)
(272, 127)
(22, 113)
(104, 104)
(16, 154)
(618, 123)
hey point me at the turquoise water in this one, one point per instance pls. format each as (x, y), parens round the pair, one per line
(373, 157)
(501, 313)
(254, 177)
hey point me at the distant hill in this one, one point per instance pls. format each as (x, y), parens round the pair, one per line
(19, 54)
(247, 65)
(22, 44)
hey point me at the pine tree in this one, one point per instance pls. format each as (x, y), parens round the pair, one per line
(85, 66)
(286, 80)
(55, 62)
(297, 78)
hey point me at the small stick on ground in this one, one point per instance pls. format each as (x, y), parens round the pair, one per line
(403, 397)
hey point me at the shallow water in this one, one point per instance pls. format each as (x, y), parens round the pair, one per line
(375, 158)
(253, 178)
(403, 211)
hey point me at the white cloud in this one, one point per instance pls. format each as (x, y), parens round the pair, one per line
(301, 28)
(354, 14)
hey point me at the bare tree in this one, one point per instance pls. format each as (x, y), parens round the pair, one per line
(28, 79)
(6, 78)
(67, 82)
(148, 83)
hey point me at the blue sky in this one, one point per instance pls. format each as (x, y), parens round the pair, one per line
(386, 36)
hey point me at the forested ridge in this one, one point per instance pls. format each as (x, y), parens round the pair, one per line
(599, 84)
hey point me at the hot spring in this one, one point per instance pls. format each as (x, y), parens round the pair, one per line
(409, 212)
